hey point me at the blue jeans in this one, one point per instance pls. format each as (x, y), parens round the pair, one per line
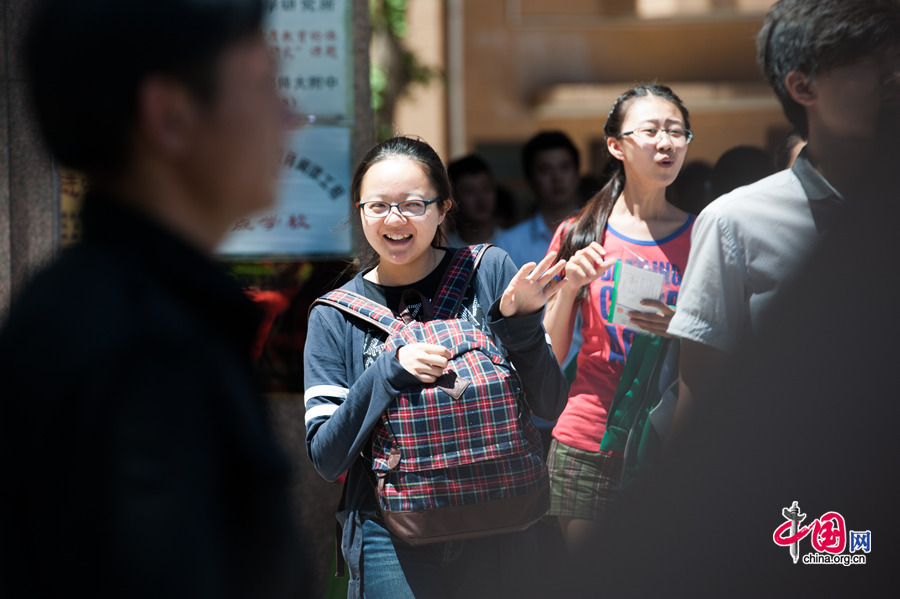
(495, 566)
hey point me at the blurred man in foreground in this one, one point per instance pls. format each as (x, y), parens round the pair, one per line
(137, 455)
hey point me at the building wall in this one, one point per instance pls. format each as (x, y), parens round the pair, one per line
(520, 60)
(507, 66)
(423, 112)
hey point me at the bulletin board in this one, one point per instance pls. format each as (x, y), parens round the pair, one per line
(312, 43)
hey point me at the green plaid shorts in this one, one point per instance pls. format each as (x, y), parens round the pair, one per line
(583, 484)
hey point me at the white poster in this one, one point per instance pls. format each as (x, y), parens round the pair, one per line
(312, 206)
(311, 39)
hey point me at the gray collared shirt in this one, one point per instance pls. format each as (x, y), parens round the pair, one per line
(745, 246)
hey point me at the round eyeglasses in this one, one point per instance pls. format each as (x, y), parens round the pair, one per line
(654, 134)
(376, 209)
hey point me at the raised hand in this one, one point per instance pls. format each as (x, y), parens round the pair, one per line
(531, 287)
(425, 361)
(587, 265)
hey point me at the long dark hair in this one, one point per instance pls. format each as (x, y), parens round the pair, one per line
(590, 223)
(419, 152)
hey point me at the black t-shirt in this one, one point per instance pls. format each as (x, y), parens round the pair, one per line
(391, 296)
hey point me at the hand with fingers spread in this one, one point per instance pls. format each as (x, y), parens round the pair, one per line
(653, 322)
(531, 287)
(425, 361)
(587, 265)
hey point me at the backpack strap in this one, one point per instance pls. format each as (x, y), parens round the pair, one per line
(456, 280)
(361, 307)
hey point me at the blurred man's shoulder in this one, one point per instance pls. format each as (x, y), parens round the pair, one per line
(88, 302)
(772, 188)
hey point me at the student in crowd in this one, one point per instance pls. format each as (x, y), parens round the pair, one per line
(834, 66)
(550, 162)
(647, 135)
(403, 194)
(505, 215)
(137, 452)
(691, 190)
(476, 198)
(739, 166)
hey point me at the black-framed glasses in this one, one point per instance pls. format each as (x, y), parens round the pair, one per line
(654, 134)
(376, 209)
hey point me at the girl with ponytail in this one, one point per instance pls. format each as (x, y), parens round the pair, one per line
(647, 134)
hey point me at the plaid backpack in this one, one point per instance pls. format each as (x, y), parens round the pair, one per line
(458, 458)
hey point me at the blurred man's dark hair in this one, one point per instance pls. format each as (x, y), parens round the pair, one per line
(543, 141)
(467, 165)
(815, 37)
(85, 98)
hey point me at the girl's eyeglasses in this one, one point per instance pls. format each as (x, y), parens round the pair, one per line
(653, 134)
(376, 209)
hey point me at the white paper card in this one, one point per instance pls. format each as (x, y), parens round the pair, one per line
(633, 285)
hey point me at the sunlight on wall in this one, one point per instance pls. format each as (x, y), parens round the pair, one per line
(644, 9)
(669, 8)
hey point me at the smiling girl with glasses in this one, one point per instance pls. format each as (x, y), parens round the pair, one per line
(402, 193)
